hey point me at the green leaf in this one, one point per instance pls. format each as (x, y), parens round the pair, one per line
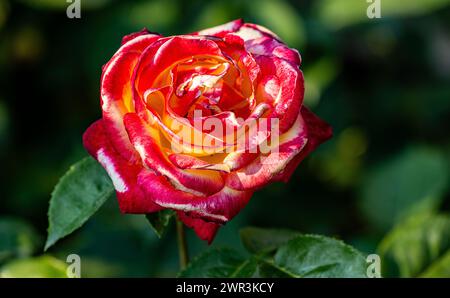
(160, 220)
(302, 256)
(440, 268)
(318, 256)
(76, 197)
(415, 244)
(18, 239)
(258, 266)
(40, 267)
(229, 263)
(411, 183)
(265, 240)
(215, 263)
(226, 262)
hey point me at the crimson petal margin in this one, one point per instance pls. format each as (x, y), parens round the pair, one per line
(205, 230)
(262, 170)
(123, 175)
(116, 90)
(318, 131)
(219, 207)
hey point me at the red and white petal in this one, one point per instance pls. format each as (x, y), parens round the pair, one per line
(116, 95)
(133, 35)
(123, 174)
(247, 69)
(147, 142)
(318, 131)
(184, 161)
(158, 59)
(264, 168)
(250, 31)
(230, 162)
(219, 207)
(222, 30)
(282, 86)
(267, 46)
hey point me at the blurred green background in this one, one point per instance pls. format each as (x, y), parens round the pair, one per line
(383, 84)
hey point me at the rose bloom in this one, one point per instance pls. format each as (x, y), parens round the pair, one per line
(155, 85)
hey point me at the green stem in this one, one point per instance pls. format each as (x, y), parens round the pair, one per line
(182, 245)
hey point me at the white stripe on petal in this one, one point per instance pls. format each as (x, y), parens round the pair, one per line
(190, 208)
(106, 162)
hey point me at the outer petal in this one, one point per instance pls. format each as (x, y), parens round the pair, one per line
(318, 132)
(116, 93)
(282, 86)
(246, 31)
(123, 174)
(219, 207)
(250, 31)
(222, 30)
(267, 46)
(204, 230)
(131, 36)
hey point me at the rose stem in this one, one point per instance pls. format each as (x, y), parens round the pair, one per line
(182, 245)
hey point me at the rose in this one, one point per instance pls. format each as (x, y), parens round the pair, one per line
(151, 91)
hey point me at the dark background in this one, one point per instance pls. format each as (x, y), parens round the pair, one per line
(383, 84)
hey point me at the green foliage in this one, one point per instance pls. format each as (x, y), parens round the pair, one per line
(410, 183)
(281, 254)
(340, 13)
(160, 220)
(420, 244)
(440, 268)
(18, 239)
(257, 240)
(318, 256)
(39, 267)
(214, 263)
(76, 197)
